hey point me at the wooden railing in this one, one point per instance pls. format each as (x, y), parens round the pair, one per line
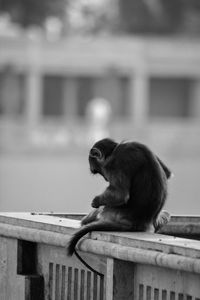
(142, 266)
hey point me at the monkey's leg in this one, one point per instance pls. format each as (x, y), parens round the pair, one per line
(91, 217)
(113, 196)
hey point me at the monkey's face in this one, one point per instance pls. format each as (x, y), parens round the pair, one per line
(98, 155)
(96, 160)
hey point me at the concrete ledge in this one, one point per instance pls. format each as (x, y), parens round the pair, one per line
(154, 249)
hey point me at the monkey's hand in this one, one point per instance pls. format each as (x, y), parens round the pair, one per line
(96, 202)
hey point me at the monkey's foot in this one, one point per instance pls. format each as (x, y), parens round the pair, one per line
(162, 219)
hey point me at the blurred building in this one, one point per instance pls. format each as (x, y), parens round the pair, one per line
(151, 84)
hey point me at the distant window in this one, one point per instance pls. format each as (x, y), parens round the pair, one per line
(169, 97)
(53, 96)
(12, 93)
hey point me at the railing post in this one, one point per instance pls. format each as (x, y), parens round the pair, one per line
(14, 286)
(11, 286)
(119, 280)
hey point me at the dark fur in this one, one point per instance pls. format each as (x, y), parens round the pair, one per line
(136, 192)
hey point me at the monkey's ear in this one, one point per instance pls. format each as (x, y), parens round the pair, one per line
(167, 171)
(95, 153)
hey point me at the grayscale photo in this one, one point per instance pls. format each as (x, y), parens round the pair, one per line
(99, 150)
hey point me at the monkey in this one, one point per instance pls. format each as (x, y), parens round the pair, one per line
(136, 192)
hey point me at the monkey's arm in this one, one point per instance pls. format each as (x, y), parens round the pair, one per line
(116, 194)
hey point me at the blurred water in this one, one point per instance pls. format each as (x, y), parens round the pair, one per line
(64, 184)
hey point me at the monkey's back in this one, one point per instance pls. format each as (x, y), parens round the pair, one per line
(145, 177)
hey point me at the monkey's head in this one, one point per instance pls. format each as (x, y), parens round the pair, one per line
(99, 153)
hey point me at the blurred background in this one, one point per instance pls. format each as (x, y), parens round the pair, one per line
(75, 71)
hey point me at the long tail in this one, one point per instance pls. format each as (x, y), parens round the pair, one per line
(94, 226)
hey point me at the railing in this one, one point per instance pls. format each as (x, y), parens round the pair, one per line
(142, 266)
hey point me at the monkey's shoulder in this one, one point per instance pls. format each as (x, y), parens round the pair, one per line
(130, 148)
(123, 155)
